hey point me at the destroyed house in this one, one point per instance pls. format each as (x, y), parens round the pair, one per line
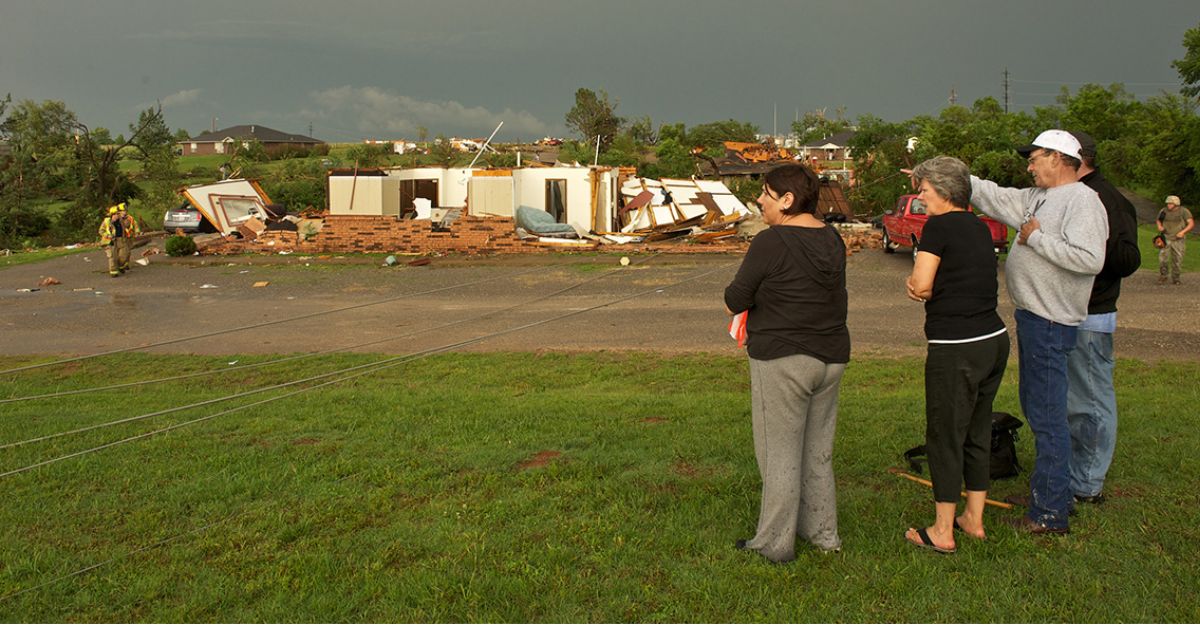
(581, 196)
(601, 200)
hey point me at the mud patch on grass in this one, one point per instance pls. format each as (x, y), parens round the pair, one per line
(653, 420)
(539, 460)
(305, 441)
(686, 469)
(69, 369)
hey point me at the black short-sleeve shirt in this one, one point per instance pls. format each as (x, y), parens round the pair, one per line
(963, 305)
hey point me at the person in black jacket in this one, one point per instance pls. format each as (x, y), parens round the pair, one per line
(792, 284)
(1091, 399)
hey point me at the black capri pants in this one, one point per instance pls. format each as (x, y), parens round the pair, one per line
(961, 381)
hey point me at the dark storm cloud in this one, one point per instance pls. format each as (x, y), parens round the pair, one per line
(378, 69)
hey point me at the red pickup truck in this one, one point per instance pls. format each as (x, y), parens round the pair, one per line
(903, 224)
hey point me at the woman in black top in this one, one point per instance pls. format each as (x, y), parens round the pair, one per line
(955, 276)
(793, 285)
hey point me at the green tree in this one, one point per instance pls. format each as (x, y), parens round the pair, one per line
(674, 131)
(642, 131)
(713, 135)
(101, 135)
(101, 183)
(1169, 134)
(42, 162)
(880, 150)
(672, 159)
(155, 145)
(983, 136)
(247, 157)
(594, 115)
(1102, 112)
(298, 185)
(1189, 66)
(815, 125)
(625, 150)
(42, 140)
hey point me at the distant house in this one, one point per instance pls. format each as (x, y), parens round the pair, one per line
(835, 147)
(398, 146)
(224, 140)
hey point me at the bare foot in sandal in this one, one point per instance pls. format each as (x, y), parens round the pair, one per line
(972, 528)
(928, 538)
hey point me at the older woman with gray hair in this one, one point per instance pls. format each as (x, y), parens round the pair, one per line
(954, 275)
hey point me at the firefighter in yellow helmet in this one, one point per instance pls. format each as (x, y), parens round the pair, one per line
(116, 233)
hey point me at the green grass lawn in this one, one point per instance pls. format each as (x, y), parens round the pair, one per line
(545, 488)
(42, 254)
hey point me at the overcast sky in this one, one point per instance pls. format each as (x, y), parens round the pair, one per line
(358, 69)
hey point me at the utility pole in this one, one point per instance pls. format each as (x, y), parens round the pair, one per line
(1005, 90)
(953, 96)
(310, 129)
(214, 124)
(774, 121)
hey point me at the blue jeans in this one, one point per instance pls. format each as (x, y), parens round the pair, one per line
(1043, 349)
(1091, 411)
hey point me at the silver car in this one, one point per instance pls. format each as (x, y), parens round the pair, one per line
(186, 218)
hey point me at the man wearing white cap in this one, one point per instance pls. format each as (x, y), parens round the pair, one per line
(1061, 231)
(1175, 221)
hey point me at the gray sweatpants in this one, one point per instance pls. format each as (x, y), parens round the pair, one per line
(794, 403)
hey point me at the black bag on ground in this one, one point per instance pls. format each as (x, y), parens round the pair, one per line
(1004, 445)
(1004, 462)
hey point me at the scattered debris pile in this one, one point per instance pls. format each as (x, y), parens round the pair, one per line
(655, 210)
(757, 152)
(860, 236)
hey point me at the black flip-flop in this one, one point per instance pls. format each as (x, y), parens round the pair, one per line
(926, 542)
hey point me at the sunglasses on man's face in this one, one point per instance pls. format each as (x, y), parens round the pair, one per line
(1034, 158)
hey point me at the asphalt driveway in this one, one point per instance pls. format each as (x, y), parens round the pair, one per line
(175, 298)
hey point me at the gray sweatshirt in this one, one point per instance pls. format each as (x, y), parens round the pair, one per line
(1051, 275)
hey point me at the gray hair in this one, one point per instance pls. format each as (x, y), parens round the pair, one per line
(948, 176)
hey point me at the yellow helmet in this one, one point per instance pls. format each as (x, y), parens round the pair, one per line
(113, 210)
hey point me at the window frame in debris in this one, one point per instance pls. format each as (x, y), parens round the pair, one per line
(217, 200)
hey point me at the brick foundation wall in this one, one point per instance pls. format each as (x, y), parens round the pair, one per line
(371, 234)
(468, 235)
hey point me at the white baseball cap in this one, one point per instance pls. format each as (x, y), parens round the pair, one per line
(1054, 140)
